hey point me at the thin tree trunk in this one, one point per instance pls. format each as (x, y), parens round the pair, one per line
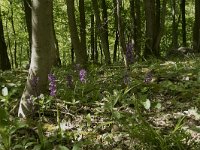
(174, 26)
(137, 32)
(116, 32)
(81, 54)
(105, 23)
(82, 24)
(184, 40)
(196, 29)
(14, 33)
(72, 54)
(121, 32)
(4, 60)
(150, 25)
(56, 54)
(136, 25)
(96, 53)
(116, 46)
(92, 36)
(100, 27)
(27, 10)
(9, 45)
(160, 29)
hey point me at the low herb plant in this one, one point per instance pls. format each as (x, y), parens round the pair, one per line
(154, 105)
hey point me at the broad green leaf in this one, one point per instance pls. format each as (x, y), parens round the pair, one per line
(60, 147)
(76, 147)
(116, 114)
(18, 146)
(4, 91)
(147, 104)
(37, 147)
(158, 106)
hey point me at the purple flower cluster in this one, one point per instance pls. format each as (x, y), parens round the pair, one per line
(129, 53)
(52, 84)
(82, 75)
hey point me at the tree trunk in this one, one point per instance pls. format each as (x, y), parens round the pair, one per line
(103, 38)
(92, 36)
(72, 53)
(116, 32)
(80, 53)
(42, 48)
(9, 45)
(27, 10)
(82, 24)
(96, 52)
(56, 55)
(14, 33)
(182, 5)
(196, 29)
(136, 24)
(160, 21)
(175, 23)
(4, 60)
(105, 23)
(121, 32)
(137, 32)
(150, 25)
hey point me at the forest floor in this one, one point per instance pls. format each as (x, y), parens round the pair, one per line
(153, 106)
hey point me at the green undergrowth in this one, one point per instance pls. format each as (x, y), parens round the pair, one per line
(152, 106)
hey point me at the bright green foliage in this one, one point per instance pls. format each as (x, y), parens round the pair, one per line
(104, 112)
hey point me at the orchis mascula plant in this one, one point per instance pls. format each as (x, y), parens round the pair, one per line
(82, 75)
(52, 84)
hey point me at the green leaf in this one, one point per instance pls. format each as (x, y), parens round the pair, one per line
(60, 147)
(88, 119)
(37, 147)
(18, 147)
(116, 114)
(4, 118)
(4, 91)
(158, 106)
(76, 147)
(147, 104)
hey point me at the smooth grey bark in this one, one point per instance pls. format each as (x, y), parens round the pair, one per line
(42, 49)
